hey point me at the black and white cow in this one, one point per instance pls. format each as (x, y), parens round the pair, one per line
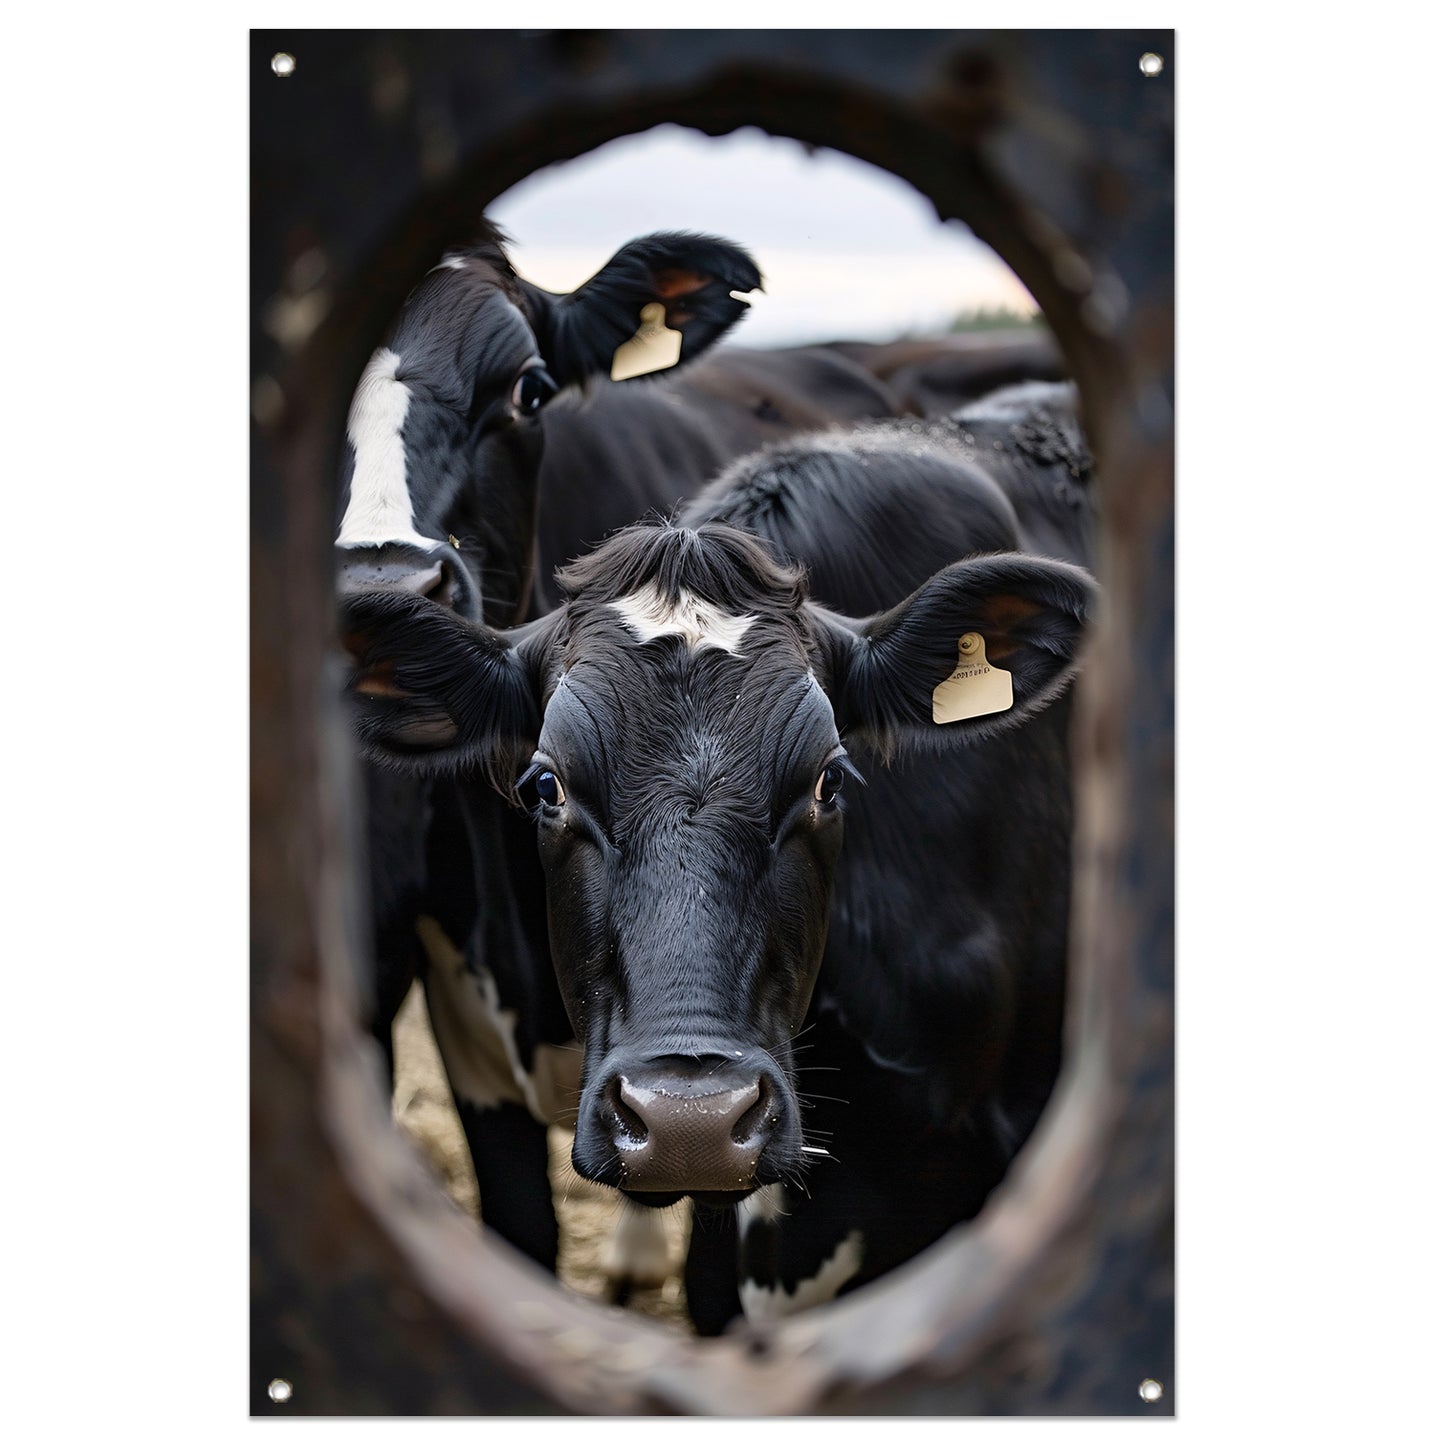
(439, 497)
(681, 729)
(441, 475)
(481, 438)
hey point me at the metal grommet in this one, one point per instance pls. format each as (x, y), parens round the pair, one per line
(283, 65)
(1151, 64)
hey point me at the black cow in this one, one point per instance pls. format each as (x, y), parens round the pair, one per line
(936, 1025)
(931, 376)
(456, 443)
(1030, 439)
(680, 729)
(615, 452)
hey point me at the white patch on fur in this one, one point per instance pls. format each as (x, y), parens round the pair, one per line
(450, 263)
(649, 614)
(762, 1206)
(637, 1251)
(765, 1302)
(379, 508)
(477, 1039)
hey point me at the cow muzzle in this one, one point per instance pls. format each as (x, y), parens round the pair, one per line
(688, 1124)
(439, 576)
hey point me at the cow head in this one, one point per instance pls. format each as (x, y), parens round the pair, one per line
(439, 484)
(680, 730)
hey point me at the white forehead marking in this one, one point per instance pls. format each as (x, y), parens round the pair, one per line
(379, 508)
(649, 614)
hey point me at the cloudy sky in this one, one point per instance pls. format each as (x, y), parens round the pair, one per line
(846, 250)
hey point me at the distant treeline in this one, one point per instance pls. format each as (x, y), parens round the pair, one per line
(994, 318)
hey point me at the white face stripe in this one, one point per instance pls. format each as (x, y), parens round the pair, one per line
(649, 614)
(765, 1302)
(379, 508)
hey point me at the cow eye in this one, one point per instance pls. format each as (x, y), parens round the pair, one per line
(531, 389)
(539, 784)
(830, 783)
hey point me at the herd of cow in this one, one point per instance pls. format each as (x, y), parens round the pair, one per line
(622, 655)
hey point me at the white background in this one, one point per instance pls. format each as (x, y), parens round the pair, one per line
(1309, 804)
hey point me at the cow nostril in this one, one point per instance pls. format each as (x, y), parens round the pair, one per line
(759, 1119)
(628, 1121)
(443, 590)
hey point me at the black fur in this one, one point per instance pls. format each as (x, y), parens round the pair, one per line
(936, 1023)
(1031, 440)
(581, 332)
(690, 864)
(443, 846)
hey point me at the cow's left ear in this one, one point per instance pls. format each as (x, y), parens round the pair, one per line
(692, 277)
(431, 692)
(882, 672)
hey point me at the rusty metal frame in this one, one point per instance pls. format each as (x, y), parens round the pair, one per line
(370, 1293)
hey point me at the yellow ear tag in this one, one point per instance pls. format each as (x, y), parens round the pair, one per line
(655, 347)
(974, 688)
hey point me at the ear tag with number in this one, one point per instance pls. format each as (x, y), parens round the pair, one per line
(974, 688)
(655, 347)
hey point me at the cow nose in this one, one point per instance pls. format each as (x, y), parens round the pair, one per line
(433, 577)
(689, 1125)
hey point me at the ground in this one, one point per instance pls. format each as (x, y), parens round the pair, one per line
(586, 1212)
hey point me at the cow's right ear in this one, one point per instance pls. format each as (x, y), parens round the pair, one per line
(431, 692)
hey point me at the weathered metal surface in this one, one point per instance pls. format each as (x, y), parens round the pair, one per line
(370, 1294)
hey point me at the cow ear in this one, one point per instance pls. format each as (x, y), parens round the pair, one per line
(883, 671)
(692, 277)
(431, 692)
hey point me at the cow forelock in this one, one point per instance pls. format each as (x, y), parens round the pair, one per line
(672, 567)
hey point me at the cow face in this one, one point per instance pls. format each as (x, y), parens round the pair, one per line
(680, 728)
(439, 484)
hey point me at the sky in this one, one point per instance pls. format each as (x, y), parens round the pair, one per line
(846, 250)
